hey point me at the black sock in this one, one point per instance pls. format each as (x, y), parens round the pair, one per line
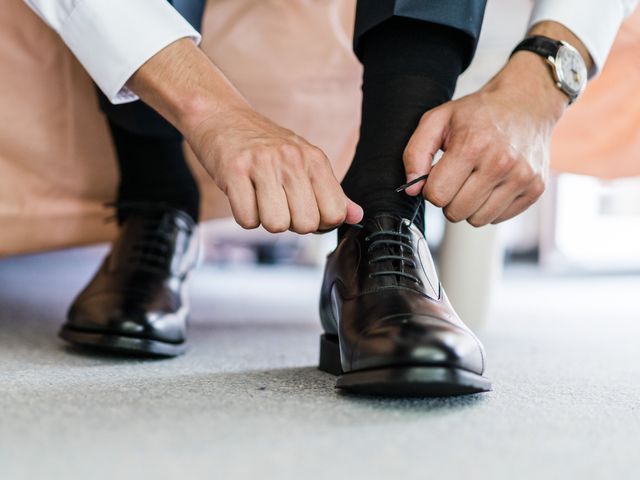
(153, 169)
(410, 67)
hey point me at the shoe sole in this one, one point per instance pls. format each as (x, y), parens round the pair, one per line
(401, 381)
(131, 346)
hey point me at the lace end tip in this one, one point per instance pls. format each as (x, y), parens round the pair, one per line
(402, 188)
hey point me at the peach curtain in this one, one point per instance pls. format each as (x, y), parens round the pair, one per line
(292, 59)
(600, 134)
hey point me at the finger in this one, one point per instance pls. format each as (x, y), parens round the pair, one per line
(335, 208)
(425, 142)
(355, 213)
(522, 202)
(448, 176)
(273, 208)
(499, 200)
(303, 208)
(473, 193)
(244, 207)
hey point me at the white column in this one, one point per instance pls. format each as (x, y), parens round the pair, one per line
(470, 269)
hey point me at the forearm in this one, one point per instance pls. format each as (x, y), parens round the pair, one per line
(271, 176)
(183, 85)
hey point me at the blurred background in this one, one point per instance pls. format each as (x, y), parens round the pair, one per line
(551, 293)
(308, 79)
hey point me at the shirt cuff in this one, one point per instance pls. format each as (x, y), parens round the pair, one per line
(113, 39)
(594, 22)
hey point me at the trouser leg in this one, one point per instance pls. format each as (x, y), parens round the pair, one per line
(151, 162)
(463, 15)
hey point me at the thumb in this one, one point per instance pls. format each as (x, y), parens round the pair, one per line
(354, 212)
(426, 140)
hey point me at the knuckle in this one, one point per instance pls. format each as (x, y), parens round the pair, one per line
(244, 155)
(317, 156)
(476, 222)
(304, 228)
(427, 117)
(240, 167)
(502, 165)
(452, 218)
(276, 226)
(474, 143)
(306, 224)
(476, 146)
(537, 189)
(524, 176)
(452, 215)
(248, 223)
(410, 155)
(262, 156)
(335, 217)
(438, 198)
(291, 152)
(434, 114)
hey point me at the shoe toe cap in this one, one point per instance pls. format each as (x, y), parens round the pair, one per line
(417, 340)
(113, 313)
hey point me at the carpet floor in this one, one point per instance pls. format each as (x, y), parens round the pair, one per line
(246, 401)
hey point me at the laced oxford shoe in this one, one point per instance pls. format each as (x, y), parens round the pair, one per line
(389, 327)
(137, 301)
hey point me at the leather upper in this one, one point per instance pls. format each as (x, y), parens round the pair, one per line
(382, 297)
(139, 290)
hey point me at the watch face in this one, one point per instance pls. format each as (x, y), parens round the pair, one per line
(571, 71)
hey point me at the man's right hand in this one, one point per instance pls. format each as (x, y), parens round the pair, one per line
(271, 176)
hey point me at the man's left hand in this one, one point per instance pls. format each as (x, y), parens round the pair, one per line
(495, 145)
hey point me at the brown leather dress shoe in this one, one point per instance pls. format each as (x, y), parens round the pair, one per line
(389, 327)
(137, 301)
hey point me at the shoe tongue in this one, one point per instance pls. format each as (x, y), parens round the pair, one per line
(148, 239)
(385, 221)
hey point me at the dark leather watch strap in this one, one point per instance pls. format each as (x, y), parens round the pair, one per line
(543, 46)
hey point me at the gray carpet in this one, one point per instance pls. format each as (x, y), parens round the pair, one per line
(247, 401)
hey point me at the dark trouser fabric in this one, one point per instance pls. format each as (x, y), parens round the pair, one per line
(463, 15)
(137, 117)
(151, 162)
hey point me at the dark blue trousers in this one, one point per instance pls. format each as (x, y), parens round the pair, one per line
(464, 15)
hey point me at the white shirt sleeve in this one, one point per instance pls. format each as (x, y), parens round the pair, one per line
(113, 38)
(594, 22)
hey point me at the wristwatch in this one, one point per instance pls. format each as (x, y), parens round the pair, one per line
(567, 65)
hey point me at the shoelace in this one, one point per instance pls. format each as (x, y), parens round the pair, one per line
(395, 241)
(152, 250)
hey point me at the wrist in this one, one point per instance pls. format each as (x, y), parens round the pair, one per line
(558, 31)
(184, 86)
(197, 108)
(530, 76)
(205, 104)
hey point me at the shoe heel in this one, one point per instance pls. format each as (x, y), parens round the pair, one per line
(330, 354)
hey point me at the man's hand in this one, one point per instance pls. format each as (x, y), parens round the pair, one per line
(271, 176)
(495, 141)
